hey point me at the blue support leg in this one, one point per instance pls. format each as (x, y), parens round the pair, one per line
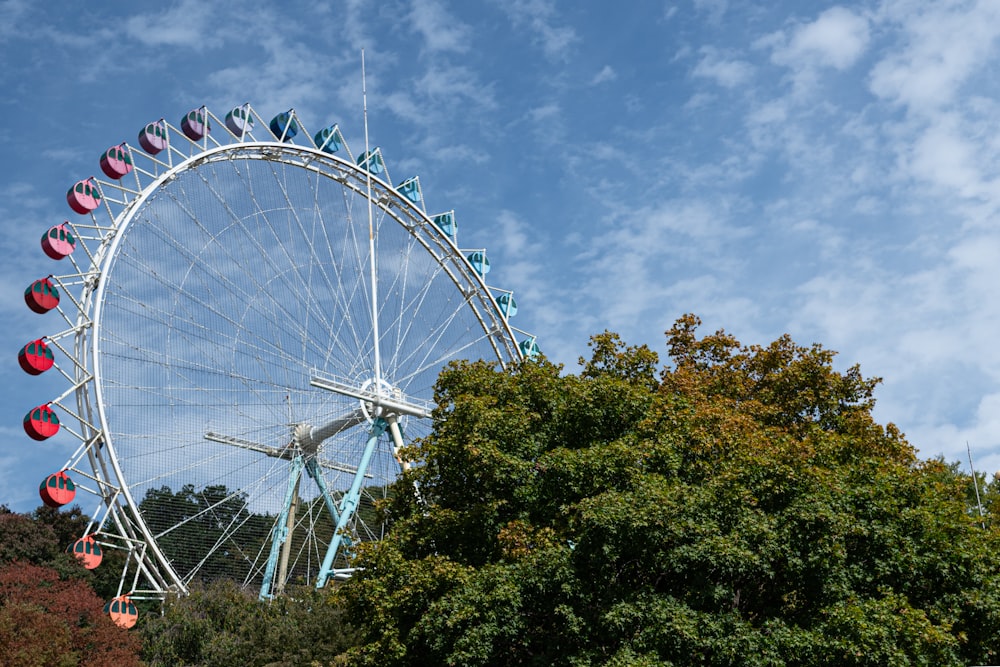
(349, 503)
(312, 469)
(280, 533)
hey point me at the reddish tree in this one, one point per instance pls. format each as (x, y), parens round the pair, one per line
(48, 620)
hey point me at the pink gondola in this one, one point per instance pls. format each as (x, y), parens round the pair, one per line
(195, 124)
(116, 162)
(153, 137)
(58, 242)
(83, 197)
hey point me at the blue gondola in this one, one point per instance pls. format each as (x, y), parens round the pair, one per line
(446, 223)
(410, 188)
(529, 348)
(479, 262)
(507, 304)
(329, 139)
(372, 161)
(283, 126)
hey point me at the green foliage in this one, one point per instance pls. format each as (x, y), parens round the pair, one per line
(199, 521)
(611, 357)
(220, 624)
(743, 508)
(22, 538)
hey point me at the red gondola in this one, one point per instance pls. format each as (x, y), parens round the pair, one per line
(195, 124)
(153, 137)
(35, 357)
(41, 423)
(116, 162)
(58, 242)
(87, 551)
(57, 489)
(122, 611)
(41, 296)
(83, 197)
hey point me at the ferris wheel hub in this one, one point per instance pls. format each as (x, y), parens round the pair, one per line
(378, 398)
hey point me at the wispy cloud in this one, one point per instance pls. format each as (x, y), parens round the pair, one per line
(438, 28)
(715, 9)
(606, 74)
(541, 18)
(451, 83)
(285, 75)
(13, 11)
(940, 46)
(187, 24)
(727, 72)
(837, 38)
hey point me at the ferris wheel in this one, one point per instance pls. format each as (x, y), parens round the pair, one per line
(250, 324)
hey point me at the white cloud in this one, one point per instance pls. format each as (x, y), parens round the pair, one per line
(942, 155)
(441, 82)
(544, 112)
(626, 264)
(715, 9)
(698, 100)
(287, 75)
(837, 38)
(539, 16)
(441, 31)
(606, 74)
(728, 73)
(522, 253)
(12, 11)
(942, 45)
(187, 24)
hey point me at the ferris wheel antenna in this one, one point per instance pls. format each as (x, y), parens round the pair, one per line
(371, 229)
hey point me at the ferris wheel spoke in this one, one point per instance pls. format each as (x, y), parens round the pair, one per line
(435, 354)
(239, 292)
(404, 325)
(351, 291)
(200, 335)
(214, 279)
(142, 312)
(399, 288)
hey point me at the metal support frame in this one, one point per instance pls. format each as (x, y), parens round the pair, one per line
(349, 503)
(281, 529)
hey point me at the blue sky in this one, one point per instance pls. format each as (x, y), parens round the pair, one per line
(829, 170)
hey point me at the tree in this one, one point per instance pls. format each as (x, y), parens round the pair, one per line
(23, 538)
(742, 508)
(220, 624)
(43, 538)
(48, 620)
(199, 520)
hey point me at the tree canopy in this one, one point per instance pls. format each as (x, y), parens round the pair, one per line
(220, 625)
(739, 506)
(46, 619)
